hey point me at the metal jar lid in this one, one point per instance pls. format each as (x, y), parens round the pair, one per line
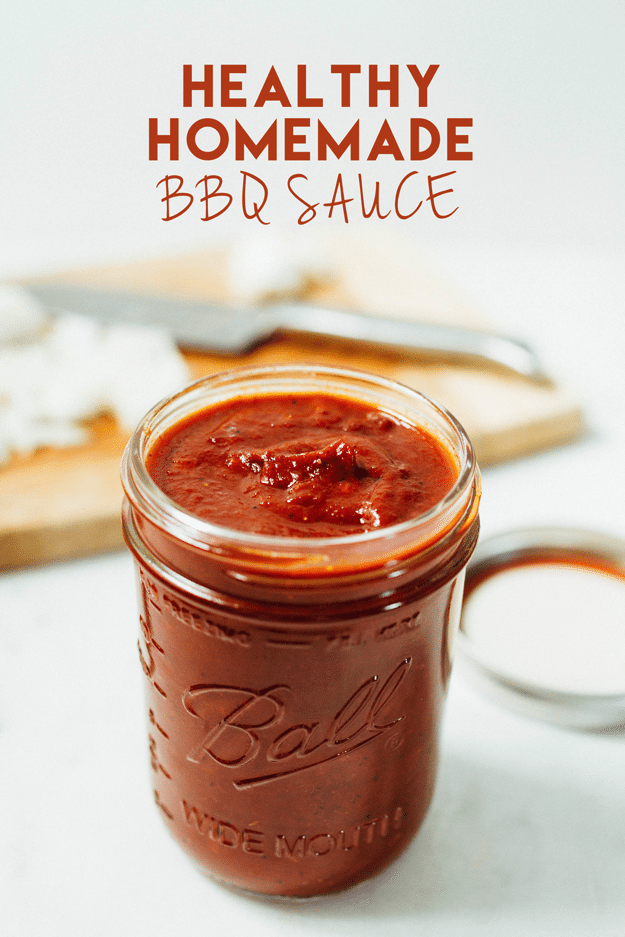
(543, 624)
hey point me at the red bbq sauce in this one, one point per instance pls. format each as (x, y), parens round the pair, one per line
(295, 687)
(301, 466)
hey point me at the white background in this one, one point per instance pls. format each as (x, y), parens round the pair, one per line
(526, 835)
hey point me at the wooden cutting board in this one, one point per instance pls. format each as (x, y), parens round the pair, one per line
(59, 504)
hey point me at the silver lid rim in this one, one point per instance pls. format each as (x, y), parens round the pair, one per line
(494, 554)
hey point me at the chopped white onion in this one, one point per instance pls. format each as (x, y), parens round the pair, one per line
(57, 372)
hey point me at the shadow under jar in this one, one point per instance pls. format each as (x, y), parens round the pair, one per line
(295, 683)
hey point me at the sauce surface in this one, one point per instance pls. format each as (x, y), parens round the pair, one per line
(301, 465)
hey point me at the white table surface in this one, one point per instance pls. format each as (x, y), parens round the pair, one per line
(526, 835)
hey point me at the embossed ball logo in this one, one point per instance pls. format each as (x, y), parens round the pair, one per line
(244, 727)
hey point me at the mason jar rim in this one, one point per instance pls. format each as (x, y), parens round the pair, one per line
(152, 501)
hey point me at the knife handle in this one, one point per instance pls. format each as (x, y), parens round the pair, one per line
(432, 341)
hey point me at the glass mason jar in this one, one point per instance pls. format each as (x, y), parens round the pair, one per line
(295, 685)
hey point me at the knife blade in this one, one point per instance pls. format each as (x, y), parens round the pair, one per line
(232, 330)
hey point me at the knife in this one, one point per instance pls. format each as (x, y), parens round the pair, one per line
(225, 329)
